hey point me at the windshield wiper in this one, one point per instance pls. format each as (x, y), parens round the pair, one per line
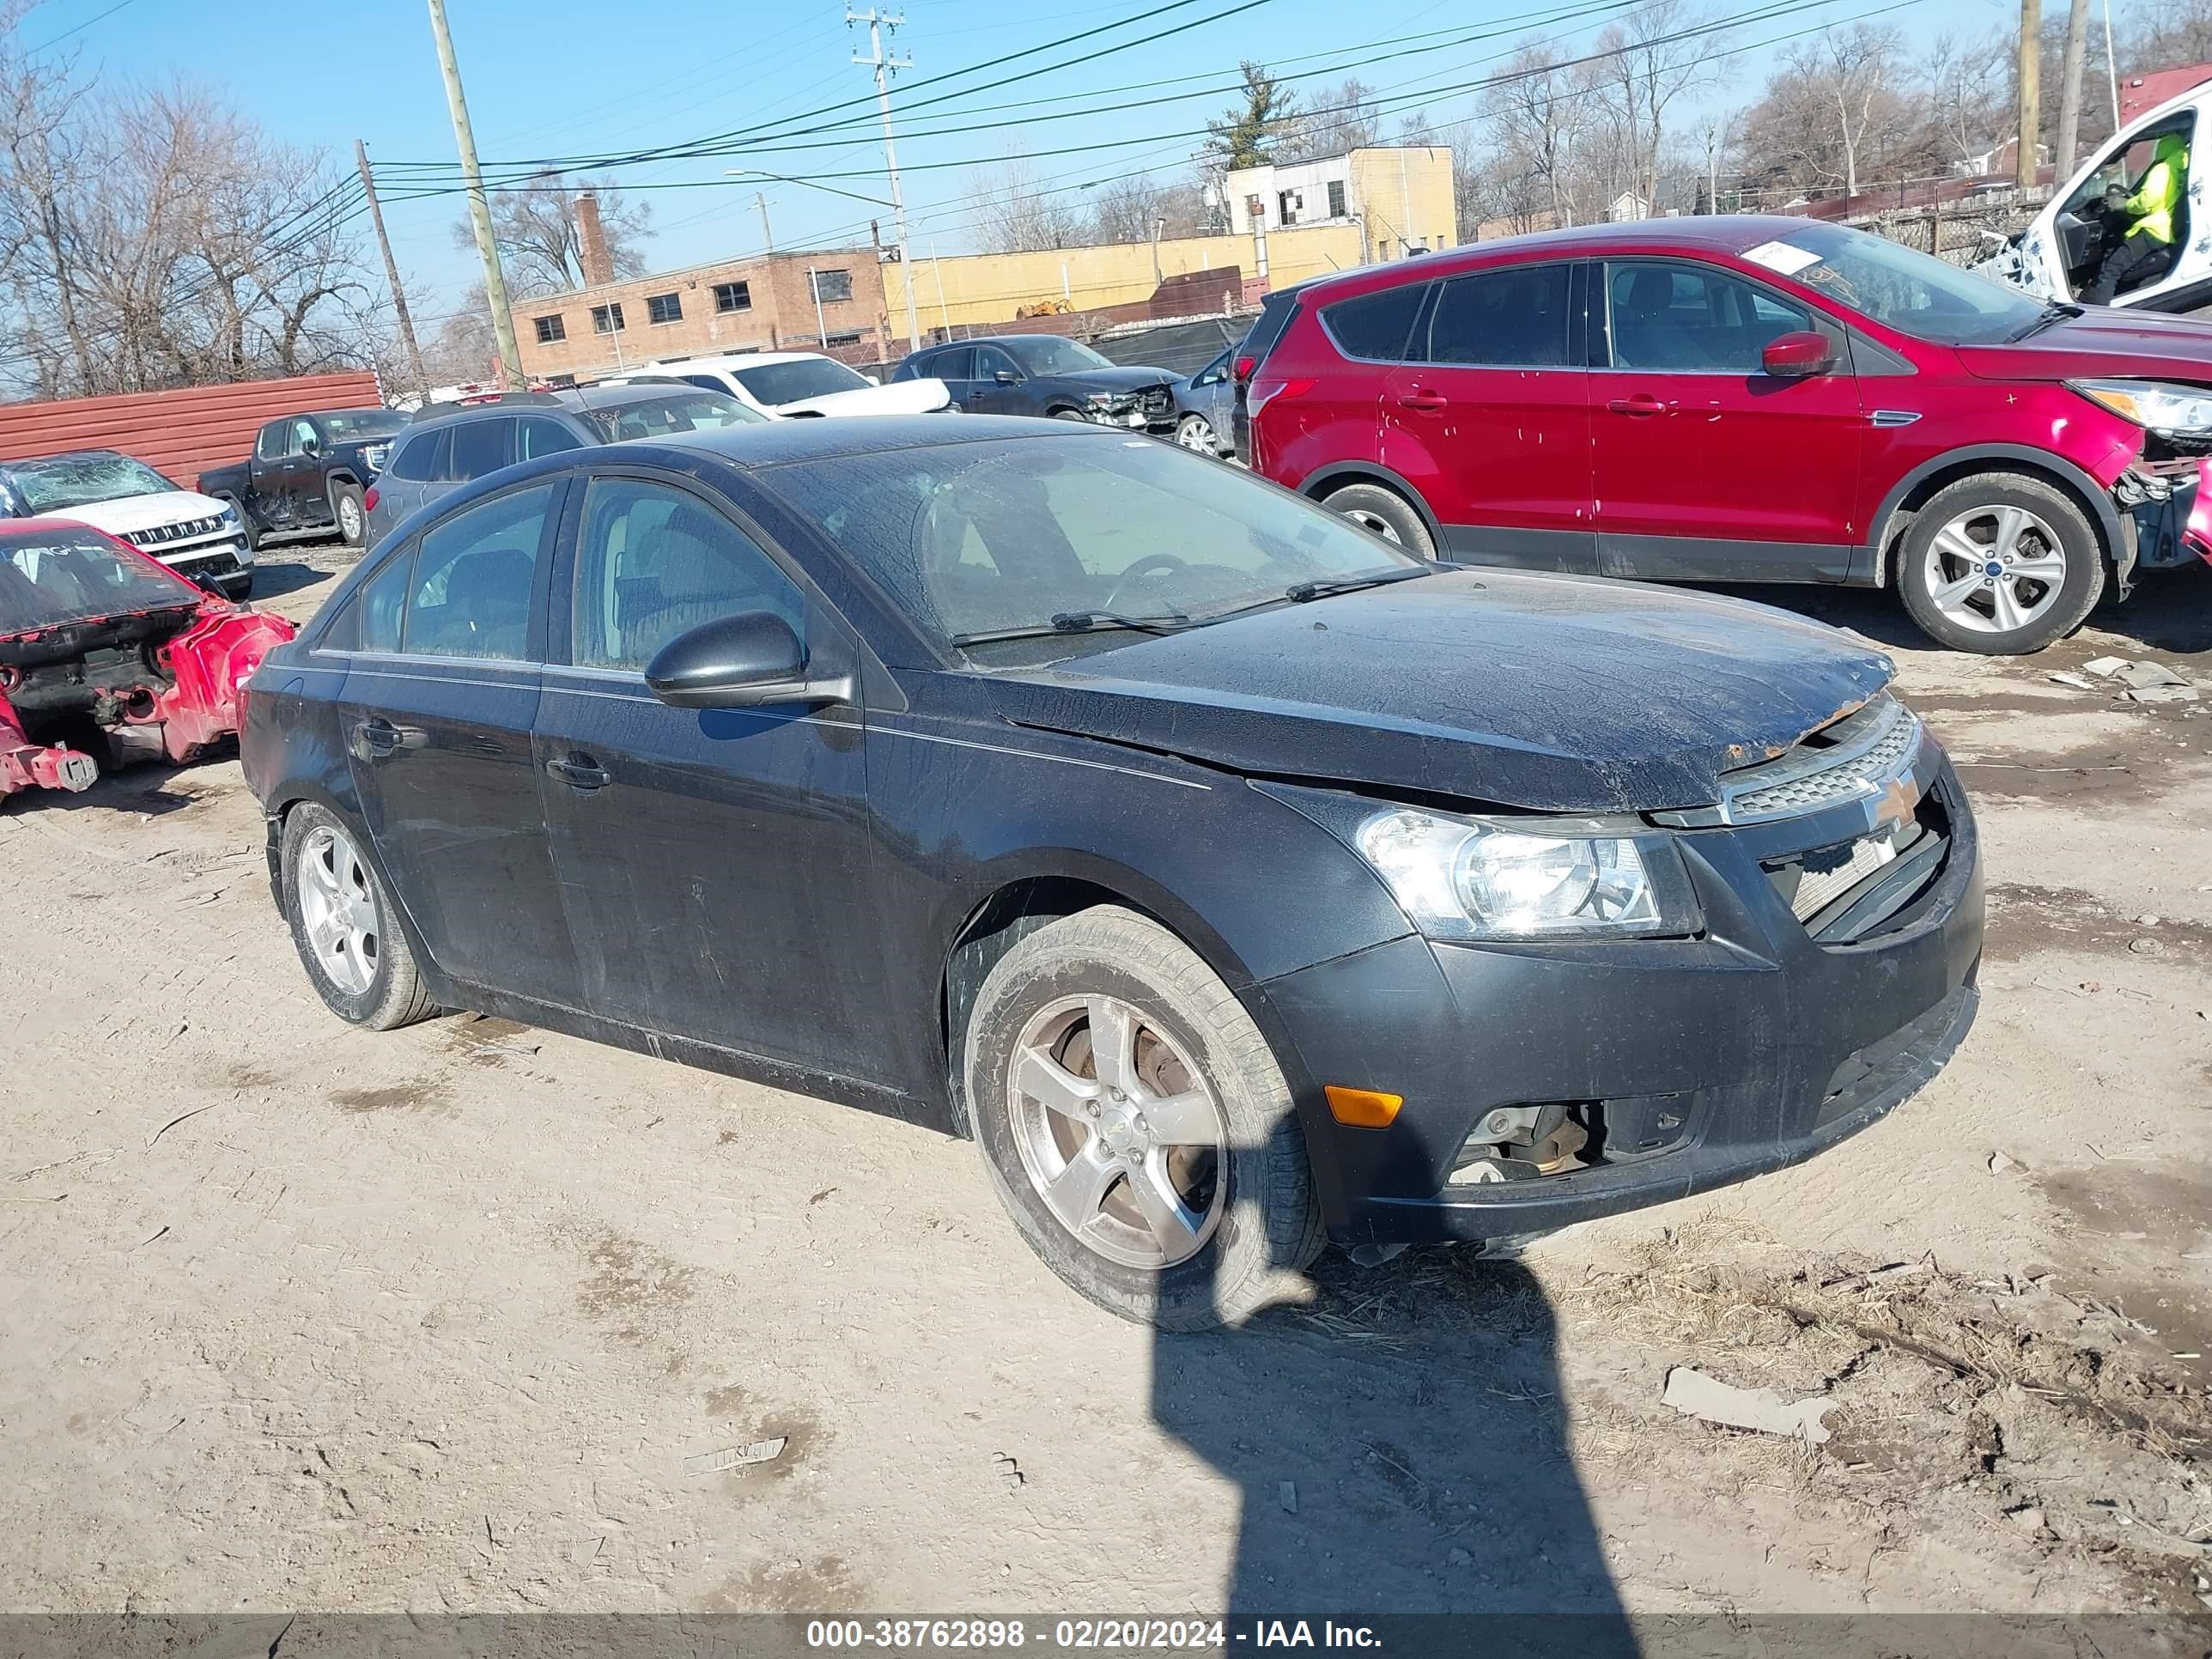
(2053, 312)
(1299, 593)
(1080, 621)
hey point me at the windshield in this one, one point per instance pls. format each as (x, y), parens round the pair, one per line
(1048, 354)
(978, 537)
(1910, 291)
(808, 377)
(679, 410)
(348, 424)
(63, 481)
(72, 575)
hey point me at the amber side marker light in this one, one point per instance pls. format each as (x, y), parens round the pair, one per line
(1363, 1109)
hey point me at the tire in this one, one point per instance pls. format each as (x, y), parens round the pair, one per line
(1070, 415)
(1385, 512)
(1245, 1220)
(2049, 574)
(348, 514)
(383, 991)
(252, 531)
(1196, 432)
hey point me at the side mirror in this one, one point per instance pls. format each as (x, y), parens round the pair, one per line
(750, 660)
(311, 445)
(1007, 377)
(1794, 355)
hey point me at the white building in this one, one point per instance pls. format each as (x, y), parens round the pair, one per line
(1400, 196)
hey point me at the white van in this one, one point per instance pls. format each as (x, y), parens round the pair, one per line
(2057, 256)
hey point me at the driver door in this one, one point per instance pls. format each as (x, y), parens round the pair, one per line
(2087, 231)
(988, 394)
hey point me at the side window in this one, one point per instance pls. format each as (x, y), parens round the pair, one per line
(269, 446)
(482, 447)
(704, 382)
(653, 562)
(951, 364)
(384, 603)
(470, 593)
(990, 362)
(422, 457)
(1692, 319)
(535, 435)
(1375, 326)
(305, 438)
(1513, 317)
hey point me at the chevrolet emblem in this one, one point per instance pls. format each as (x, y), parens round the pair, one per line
(1899, 802)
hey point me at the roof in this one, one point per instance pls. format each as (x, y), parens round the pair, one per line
(741, 359)
(61, 455)
(610, 395)
(778, 443)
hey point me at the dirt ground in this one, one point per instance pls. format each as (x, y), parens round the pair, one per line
(459, 1318)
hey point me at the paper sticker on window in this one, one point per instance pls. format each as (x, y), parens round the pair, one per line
(1780, 256)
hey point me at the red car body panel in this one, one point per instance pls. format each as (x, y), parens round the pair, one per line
(178, 695)
(1710, 476)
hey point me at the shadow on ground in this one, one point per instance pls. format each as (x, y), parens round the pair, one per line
(274, 578)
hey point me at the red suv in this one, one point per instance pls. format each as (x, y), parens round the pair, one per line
(1747, 399)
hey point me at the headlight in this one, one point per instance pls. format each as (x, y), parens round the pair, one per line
(230, 514)
(1474, 878)
(2153, 403)
(375, 456)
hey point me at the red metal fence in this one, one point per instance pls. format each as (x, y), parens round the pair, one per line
(177, 433)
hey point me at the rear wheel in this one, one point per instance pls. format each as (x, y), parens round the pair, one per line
(1386, 513)
(348, 514)
(1069, 415)
(344, 924)
(1136, 1126)
(2000, 564)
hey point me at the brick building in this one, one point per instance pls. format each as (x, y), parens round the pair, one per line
(763, 303)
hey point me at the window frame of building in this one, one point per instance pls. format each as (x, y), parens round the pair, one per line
(552, 331)
(732, 296)
(607, 318)
(671, 302)
(839, 290)
(850, 336)
(1337, 209)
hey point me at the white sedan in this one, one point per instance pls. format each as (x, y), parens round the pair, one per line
(786, 385)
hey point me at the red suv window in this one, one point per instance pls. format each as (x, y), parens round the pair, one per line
(1374, 327)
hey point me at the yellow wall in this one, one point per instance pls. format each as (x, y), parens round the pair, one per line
(1407, 194)
(989, 288)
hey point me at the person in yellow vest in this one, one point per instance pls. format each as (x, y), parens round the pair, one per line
(2148, 247)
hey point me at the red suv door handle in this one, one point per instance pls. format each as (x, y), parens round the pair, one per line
(1642, 402)
(1421, 398)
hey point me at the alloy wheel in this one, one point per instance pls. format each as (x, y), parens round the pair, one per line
(1118, 1131)
(1196, 432)
(1373, 524)
(348, 518)
(337, 906)
(1995, 570)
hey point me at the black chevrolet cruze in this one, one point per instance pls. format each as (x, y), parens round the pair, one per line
(1230, 877)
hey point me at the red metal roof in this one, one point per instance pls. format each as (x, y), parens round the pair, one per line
(178, 433)
(2141, 94)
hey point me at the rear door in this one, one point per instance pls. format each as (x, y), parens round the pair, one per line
(956, 367)
(1489, 416)
(714, 862)
(1707, 467)
(437, 711)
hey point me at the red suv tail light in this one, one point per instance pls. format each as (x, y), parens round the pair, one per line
(1264, 392)
(1245, 368)
(368, 501)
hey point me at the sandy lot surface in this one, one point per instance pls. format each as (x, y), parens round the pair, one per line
(457, 1318)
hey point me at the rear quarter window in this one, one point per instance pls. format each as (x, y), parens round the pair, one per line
(1374, 327)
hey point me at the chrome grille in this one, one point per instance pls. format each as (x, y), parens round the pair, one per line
(161, 535)
(1855, 758)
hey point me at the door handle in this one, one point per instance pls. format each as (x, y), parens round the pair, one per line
(580, 772)
(1641, 402)
(376, 739)
(1421, 398)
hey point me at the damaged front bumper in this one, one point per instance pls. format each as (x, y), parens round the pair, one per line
(2166, 505)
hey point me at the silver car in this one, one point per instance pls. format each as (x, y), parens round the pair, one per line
(439, 453)
(1204, 403)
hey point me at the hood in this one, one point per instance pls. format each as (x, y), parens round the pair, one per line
(2101, 341)
(899, 397)
(1548, 693)
(1115, 379)
(167, 507)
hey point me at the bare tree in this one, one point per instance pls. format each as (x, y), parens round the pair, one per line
(1534, 125)
(1651, 58)
(1341, 117)
(1853, 76)
(535, 225)
(1965, 88)
(1015, 214)
(1136, 209)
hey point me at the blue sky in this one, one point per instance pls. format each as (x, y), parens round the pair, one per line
(550, 77)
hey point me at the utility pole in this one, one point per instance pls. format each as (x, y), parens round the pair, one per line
(2069, 87)
(2031, 90)
(877, 22)
(391, 268)
(502, 319)
(2112, 65)
(768, 238)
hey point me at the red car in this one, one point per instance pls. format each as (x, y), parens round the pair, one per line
(107, 656)
(1747, 399)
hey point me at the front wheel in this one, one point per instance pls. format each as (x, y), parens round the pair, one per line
(1383, 512)
(245, 525)
(2000, 564)
(348, 514)
(1196, 432)
(344, 927)
(1136, 1126)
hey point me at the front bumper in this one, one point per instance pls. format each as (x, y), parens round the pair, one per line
(1744, 1050)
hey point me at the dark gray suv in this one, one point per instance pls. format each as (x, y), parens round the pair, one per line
(441, 453)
